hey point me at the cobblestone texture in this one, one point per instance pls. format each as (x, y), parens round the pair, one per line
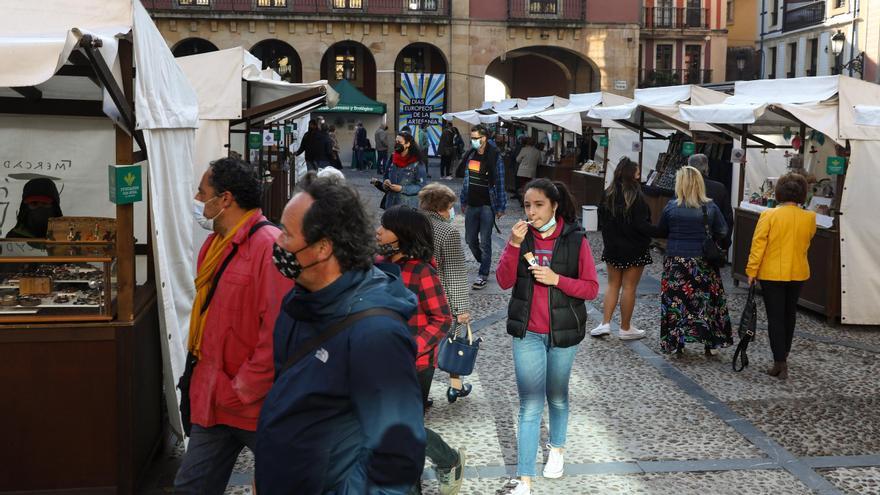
(624, 410)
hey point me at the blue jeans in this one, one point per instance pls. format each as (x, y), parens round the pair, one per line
(478, 222)
(541, 371)
(209, 459)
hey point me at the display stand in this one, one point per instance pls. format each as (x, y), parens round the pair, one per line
(85, 397)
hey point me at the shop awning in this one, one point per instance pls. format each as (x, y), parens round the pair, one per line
(351, 100)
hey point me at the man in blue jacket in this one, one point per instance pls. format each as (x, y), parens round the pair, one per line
(483, 198)
(347, 417)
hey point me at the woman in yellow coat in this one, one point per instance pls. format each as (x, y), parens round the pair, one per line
(778, 260)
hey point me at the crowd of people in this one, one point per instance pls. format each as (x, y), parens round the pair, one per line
(314, 343)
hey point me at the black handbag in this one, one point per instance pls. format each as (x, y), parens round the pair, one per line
(747, 325)
(711, 252)
(458, 353)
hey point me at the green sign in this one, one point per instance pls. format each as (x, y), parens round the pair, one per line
(687, 148)
(255, 140)
(126, 186)
(557, 136)
(603, 141)
(835, 165)
(277, 134)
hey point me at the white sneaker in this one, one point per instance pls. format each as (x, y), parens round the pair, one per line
(555, 465)
(515, 487)
(631, 334)
(603, 329)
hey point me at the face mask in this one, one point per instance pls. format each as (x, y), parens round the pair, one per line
(286, 262)
(38, 220)
(452, 214)
(387, 250)
(199, 214)
(475, 143)
(549, 225)
(398, 148)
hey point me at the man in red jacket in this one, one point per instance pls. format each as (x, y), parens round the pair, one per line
(238, 296)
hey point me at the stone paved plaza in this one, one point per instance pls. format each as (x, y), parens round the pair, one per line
(646, 423)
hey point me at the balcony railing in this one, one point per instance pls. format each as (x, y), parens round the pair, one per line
(547, 11)
(356, 7)
(800, 17)
(675, 18)
(654, 78)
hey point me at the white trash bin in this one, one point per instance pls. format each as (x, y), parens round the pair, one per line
(590, 217)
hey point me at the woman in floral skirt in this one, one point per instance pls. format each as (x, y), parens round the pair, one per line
(693, 307)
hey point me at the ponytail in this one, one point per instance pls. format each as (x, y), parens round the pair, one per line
(558, 193)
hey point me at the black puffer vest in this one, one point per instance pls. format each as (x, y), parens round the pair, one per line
(568, 315)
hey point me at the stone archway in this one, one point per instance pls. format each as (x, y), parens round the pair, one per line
(353, 61)
(193, 46)
(562, 71)
(280, 57)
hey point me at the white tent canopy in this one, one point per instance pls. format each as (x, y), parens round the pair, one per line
(571, 116)
(487, 113)
(663, 105)
(37, 39)
(533, 106)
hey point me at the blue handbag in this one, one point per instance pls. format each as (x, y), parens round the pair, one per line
(458, 353)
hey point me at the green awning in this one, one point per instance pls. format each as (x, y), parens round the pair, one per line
(351, 100)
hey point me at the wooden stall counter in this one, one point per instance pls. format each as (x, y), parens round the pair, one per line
(587, 188)
(821, 293)
(656, 198)
(83, 401)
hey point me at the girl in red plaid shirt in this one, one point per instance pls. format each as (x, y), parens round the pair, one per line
(405, 238)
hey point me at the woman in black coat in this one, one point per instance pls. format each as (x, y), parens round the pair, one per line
(625, 221)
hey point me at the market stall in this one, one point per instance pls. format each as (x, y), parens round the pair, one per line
(78, 339)
(664, 140)
(818, 118)
(353, 107)
(254, 113)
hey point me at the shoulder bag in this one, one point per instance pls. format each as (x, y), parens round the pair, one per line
(711, 252)
(747, 324)
(458, 353)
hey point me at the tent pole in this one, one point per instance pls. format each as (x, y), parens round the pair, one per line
(742, 164)
(641, 137)
(125, 213)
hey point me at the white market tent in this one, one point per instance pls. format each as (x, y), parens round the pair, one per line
(846, 110)
(37, 40)
(232, 89)
(487, 113)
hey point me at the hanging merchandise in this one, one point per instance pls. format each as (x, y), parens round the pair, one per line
(820, 139)
(797, 142)
(786, 133)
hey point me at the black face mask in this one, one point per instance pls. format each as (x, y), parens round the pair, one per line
(398, 148)
(38, 220)
(286, 262)
(387, 250)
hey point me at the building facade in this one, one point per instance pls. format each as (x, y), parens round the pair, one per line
(536, 47)
(682, 42)
(797, 39)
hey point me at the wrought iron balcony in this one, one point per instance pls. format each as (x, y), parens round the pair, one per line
(281, 7)
(547, 11)
(654, 78)
(675, 18)
(802, 15)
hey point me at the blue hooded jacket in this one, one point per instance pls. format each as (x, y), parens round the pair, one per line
(348, 418)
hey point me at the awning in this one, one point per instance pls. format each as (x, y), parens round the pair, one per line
(351, 100)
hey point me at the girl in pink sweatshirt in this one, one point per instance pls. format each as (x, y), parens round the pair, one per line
(548, 263)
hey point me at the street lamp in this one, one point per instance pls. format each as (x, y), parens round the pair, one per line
(837, 49)
(347, 66)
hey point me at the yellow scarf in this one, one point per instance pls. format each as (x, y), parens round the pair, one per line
(204, 280)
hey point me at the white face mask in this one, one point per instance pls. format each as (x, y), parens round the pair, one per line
(452, 214)
(199, 214)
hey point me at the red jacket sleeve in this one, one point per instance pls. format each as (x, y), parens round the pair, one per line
(586, 286)
(255, 376)
(435, 308)
(505, 274)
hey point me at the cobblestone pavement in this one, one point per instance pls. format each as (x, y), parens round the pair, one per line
(647, 423)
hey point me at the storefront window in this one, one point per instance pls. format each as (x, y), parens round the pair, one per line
(348, 4)
(543, 6)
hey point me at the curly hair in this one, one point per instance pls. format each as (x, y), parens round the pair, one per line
(413, 231)
(240, 179)
(436, 197)
(791, 187)
(337, 215)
